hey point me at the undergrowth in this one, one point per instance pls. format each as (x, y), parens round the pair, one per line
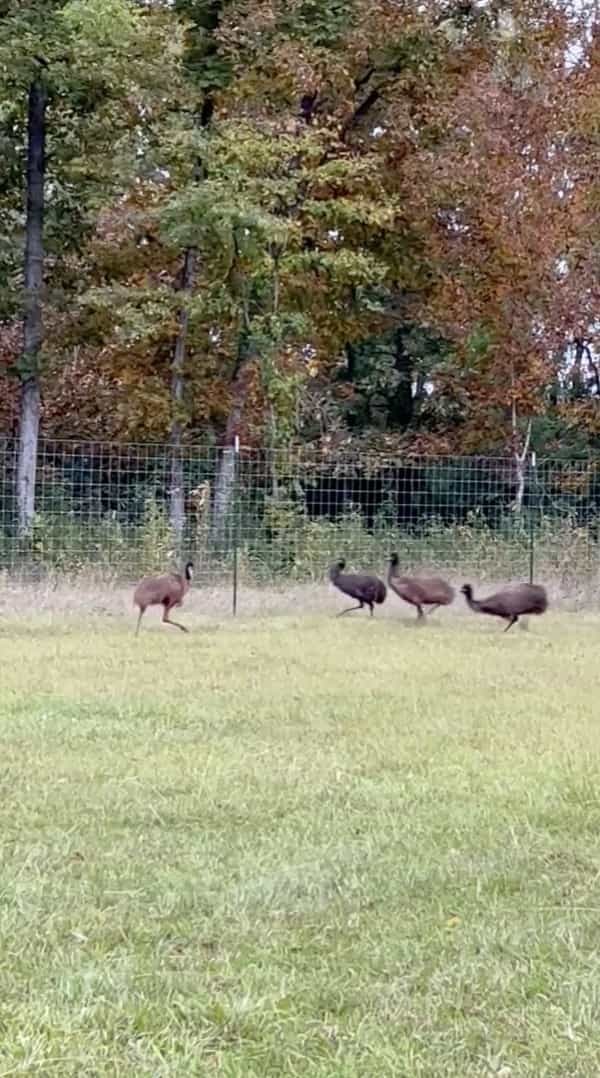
(289, 546)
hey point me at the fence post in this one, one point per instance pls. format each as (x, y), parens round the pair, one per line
(236, 508)
(533, 479)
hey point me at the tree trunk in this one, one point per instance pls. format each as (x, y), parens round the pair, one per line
(177, 494)
(224, 483)
(177, 489)
(29, 417)
(520, 464)
(401, 410)
(272, 452)
(225, 477)
(577, 383)
(351, 363)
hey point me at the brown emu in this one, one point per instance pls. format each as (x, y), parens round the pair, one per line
(511, 603)
(419, 591)
(367, 589)
(166, 591)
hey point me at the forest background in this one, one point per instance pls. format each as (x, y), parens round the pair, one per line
(331, 223)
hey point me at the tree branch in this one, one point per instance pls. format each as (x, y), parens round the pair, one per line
(361, 110)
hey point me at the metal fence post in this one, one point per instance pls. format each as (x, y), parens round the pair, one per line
(236, 517)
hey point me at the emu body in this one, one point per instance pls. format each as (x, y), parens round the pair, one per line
(419, 591)
(510, 603)
(167, 591)
(362, 586)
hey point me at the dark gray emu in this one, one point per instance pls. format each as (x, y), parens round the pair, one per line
(429, 591)
(367, 589)
(511, 603)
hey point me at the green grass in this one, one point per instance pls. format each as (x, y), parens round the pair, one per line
(300, 846)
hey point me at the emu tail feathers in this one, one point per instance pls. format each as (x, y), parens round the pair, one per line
(381, 592)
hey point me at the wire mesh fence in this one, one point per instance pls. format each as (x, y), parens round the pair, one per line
(266, 517)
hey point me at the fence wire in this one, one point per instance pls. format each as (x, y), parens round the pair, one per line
(271, 516)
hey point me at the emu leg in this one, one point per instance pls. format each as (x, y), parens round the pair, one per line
(168, 621)
(141, 614)
(420, 612)
(348, 609)
(432, 608)
(512, 621)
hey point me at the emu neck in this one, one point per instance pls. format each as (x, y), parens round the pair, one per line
(395, 576)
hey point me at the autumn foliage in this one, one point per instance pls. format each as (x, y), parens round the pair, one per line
(393, 212)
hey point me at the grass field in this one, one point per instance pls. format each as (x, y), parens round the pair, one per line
(299, 846)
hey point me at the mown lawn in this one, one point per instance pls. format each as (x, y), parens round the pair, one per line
(300, 846)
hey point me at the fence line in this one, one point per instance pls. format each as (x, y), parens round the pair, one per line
(254, 516)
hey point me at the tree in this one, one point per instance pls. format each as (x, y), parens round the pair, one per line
(67, 65)
(386, 235)
(299, 195)
(503, 208)
(206, 74)
(32, 320)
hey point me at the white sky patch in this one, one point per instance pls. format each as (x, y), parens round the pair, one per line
(573, 55)
(427, 387)
(453, 220)
(589, 361)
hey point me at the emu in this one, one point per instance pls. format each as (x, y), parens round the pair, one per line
(167, 591)
(511, 603)
(419, 591)
(367, 589)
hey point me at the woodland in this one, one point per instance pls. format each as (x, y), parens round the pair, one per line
(329, 223)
